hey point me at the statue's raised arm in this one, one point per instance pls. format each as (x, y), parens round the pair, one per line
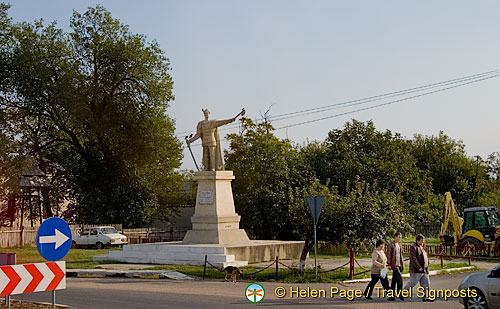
(213, 159)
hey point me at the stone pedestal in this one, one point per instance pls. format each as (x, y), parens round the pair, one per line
(215, 220)
(216, 234)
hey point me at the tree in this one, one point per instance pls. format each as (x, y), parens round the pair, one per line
(362, 216)
(490, 187)
(330, 225)
(372, 214)
(93, 104)
(266, 168)
(449, 167)
(359, 152)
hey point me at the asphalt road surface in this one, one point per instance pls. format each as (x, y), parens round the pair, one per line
(140, 293)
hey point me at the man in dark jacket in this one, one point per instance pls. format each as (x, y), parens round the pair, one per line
(396, 263)
(419, 266)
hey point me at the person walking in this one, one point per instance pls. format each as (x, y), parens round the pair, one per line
(396, 263)
(419, 266)
(378, 269)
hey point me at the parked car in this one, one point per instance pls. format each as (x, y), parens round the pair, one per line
(99, 237)
(487, 287)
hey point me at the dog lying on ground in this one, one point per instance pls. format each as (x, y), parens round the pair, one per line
(233, 271)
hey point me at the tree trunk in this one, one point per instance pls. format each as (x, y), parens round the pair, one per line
(308, 244)
(46, 203)
(11, 209)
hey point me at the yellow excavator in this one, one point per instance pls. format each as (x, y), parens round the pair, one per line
(480, 226)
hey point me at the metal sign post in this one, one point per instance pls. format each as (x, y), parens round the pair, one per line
(53, 242)
(315, 204)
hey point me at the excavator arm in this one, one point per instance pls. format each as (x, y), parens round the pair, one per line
(450, 213)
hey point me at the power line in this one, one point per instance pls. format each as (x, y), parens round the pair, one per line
(387, 103)
(365, 100)
(397, 93)
(362, 101)
(383, 104)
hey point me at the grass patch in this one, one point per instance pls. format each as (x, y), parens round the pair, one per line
(428, 240)
(286, 275)
(76, 258)
(82, 259)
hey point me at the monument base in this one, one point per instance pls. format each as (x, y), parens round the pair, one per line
(222, 236)
(215, 220)
(217, 254)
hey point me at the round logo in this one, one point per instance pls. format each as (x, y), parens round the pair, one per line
(255, 293)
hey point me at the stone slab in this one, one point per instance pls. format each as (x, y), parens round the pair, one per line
(218, 254)
(215, 220)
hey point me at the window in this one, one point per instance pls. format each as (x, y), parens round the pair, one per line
(93, 232)
(480, 220)
(493, 218)
(108, 230)
(84, 233)
(468, 221)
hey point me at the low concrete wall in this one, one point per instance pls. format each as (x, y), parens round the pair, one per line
(263, 251)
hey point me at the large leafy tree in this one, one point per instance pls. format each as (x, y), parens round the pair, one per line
(449, 168)
(91, 105)
(381, 159)
(266, 168)
(490, 187)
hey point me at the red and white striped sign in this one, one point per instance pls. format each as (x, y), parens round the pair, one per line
(28, 278)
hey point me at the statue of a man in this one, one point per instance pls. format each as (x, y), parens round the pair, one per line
(213, 159)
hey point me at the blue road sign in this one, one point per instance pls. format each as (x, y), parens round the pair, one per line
(315, 204)
(54, 239)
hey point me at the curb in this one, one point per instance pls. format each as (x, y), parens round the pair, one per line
(13, 301)
(138, 274)
(431, 273)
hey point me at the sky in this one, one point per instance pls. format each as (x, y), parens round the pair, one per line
(286, 56)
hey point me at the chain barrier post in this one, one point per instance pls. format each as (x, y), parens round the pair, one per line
(351, 263)
(205, 267)
(441, 251)
(277, 260)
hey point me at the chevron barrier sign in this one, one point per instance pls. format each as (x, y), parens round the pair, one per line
(28, 278)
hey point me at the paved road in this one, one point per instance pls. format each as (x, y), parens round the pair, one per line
(137, 293)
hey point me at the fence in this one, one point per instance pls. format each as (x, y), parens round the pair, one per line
(339, 249)
(15, 237)
(428, 228)
(149, 235)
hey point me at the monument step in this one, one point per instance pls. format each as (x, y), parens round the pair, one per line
(175, 262)
(176, 247)
(169, 256)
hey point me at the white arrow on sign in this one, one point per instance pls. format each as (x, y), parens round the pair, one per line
(59, 239)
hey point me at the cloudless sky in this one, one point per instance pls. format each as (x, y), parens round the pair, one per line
(290, 55)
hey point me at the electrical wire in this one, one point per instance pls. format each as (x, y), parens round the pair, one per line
(387, 103)
(463, 82)
(365, 100)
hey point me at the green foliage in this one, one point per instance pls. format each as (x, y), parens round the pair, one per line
(448, 166)
(381, 159)
(490, 187)
(266, 168)
(330, 224)
(372, 214)
(90, 106)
